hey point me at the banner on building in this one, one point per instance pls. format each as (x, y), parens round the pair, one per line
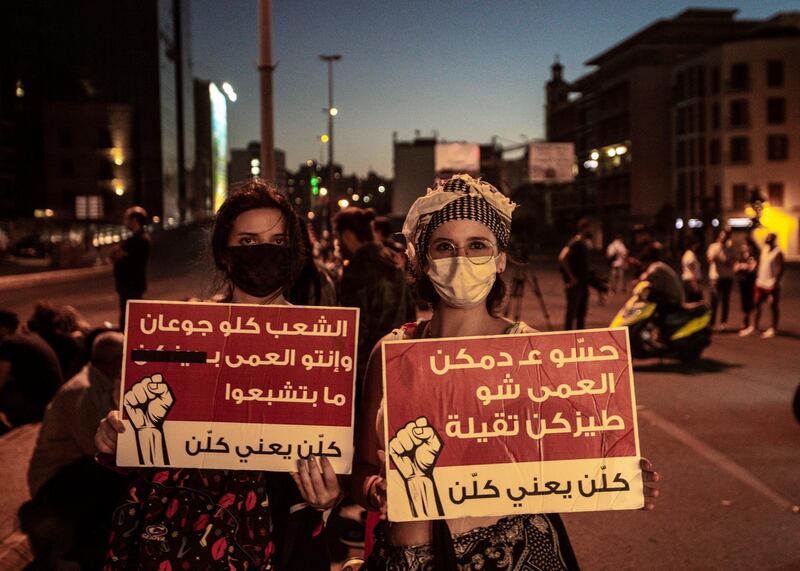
(510, 424)
(551, 162)
(234, 386)
(455, 158)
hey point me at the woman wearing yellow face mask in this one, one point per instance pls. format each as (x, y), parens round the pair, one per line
(457, 238)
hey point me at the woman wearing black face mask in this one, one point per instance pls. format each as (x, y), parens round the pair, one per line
(224, 519)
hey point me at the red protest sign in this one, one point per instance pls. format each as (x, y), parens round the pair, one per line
(508, 424)
(233, 386)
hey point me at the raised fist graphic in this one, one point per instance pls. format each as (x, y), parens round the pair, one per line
(414, 450)
(147, 404)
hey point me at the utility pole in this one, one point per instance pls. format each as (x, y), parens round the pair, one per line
(265, 69)
(177, 42)
(332, 111)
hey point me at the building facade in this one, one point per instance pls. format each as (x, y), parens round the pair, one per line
(95, 109)
(736, 133)
(618, 117)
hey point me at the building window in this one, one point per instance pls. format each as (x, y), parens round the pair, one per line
(775, 194)
(106, 169)
(67, 168)
(740, 150)
(774, 73)
(680, 154)
(701, 151)
(715, 116)
(717, 198)
(701, 117)
(714, 152)
(714, 81)
(105, 141)
(65, 136)
(701, 81)
(777, 147)
(740, 76)
(739, 113)
(680, 197)
(739, 196)
(88, 207)
(776, 110)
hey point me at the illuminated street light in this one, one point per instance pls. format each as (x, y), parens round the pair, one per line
(355, 198)
(324, 138)
(323, 191)
(333, 111)
(344, 203)
(381, 189)
(228, 89)
(594, 155)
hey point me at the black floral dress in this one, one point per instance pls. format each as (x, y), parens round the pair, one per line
(201, 520)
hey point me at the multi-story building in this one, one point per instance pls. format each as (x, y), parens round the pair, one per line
(618, 118)
(96, 109)
(736, 132)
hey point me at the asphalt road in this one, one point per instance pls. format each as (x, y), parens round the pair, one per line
(721, 433)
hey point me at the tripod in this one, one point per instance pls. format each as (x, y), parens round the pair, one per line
(520, 278)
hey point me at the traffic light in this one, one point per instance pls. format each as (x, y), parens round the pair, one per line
(314, 185)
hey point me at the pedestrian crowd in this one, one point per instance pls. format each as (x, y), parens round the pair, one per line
(728, 262)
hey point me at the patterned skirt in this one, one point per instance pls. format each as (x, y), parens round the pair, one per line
(516, 543)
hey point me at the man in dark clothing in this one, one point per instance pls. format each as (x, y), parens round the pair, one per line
(130, 260)
(372, 282)
(29, 373)
(578, 276)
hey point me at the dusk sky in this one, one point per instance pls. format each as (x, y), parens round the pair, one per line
(468, 70)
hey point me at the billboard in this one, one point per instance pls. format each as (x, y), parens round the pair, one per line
(219, 145)
(551, 162)
(510, 424)
(454, 158)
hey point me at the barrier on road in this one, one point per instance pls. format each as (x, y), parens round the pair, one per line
(56, 276)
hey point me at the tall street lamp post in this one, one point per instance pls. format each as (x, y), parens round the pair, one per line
(331, 111)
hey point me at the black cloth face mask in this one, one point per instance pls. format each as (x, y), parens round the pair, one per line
(259, 270)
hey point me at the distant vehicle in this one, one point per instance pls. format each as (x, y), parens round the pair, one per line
(29, 247)
(655, 331)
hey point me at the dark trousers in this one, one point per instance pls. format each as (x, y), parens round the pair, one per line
(577, 305)
(721, 294)
(123, 302)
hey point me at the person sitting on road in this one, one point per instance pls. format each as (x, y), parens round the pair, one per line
(64, 329)
(29, 373)
(73, 496)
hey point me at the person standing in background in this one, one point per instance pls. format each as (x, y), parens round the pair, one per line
(370, 281)
(745, 268)
(691, 272)
(130, 260)
(578, 276)
(720, 273)
(617, 255)
(768, 282)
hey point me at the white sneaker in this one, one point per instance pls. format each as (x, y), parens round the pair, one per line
(746, 331)
(768, 334)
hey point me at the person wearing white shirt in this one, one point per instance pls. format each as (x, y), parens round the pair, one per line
(768, 282)
(691, 272)
(720, 257)
(617, 255)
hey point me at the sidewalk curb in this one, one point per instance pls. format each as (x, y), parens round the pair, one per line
(54, 277)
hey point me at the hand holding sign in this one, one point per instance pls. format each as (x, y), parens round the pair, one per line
(414, 450)
(147, 403)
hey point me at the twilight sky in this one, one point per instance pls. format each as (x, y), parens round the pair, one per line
(468, 69)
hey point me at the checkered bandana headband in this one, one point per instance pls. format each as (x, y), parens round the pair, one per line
(465, 208)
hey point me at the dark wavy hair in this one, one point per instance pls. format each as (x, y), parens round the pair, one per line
(249, 195)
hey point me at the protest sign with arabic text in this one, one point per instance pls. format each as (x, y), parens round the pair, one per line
(507, 424)
(234, 386)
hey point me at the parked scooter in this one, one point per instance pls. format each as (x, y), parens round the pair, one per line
(657, 331)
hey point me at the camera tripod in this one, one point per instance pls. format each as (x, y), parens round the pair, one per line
(521, 277)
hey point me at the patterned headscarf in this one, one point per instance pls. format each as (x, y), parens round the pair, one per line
(459, 198)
